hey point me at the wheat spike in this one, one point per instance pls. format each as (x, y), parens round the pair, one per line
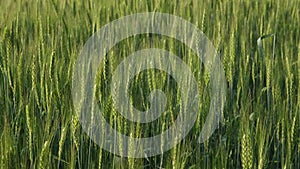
(61, 143)
(247, 153)
(74, 129)
(42, 162)
(28, 121)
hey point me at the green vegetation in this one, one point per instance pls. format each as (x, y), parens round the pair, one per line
(41, 39)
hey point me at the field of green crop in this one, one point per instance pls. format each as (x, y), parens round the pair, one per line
(258, 44)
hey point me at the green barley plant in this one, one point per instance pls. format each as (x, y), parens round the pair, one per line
(258, 44)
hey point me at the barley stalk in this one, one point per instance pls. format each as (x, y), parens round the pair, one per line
(100, 159)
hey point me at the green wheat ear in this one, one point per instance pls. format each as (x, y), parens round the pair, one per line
(247, 153)
(246, 142)
(43, 156)
(29, 122)
(62, 142)
(74, 129)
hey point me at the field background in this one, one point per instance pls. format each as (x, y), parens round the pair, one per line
(40, 41)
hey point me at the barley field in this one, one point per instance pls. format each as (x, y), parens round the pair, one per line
(258, 43)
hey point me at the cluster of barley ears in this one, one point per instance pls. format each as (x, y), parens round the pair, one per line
(258, 43)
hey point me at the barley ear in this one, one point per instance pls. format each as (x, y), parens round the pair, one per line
(28, 121)
(247, 154)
